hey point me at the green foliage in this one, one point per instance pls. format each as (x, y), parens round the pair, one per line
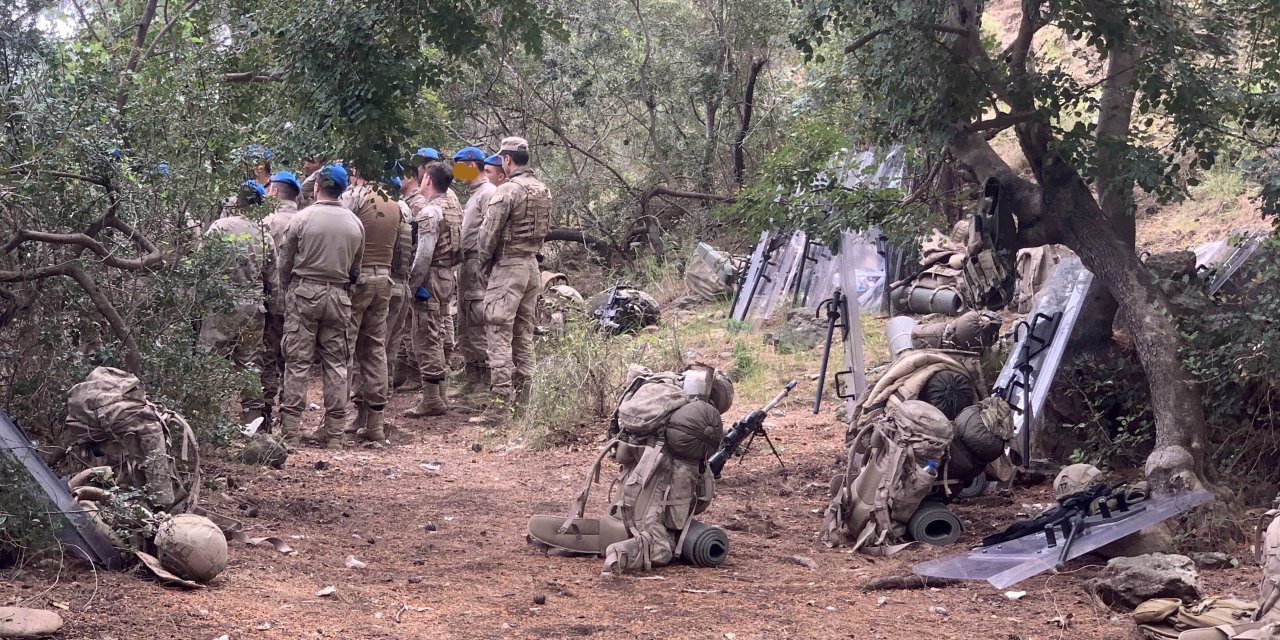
(1118, 426)
(27, 529)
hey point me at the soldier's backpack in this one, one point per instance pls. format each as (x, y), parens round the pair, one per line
(874, 499)
(948, 380)
(646, 403)
(110, 421)
(1167, 618)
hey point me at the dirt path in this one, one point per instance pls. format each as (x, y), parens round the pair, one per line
(447, 559)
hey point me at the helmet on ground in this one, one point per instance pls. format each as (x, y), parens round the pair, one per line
(1074, 479)
(191, 547)
(721, 392)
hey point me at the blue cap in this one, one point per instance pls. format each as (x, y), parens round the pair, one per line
(288, 178)
(256, 189)
(428, 153)
(494, 160)
(393, 181)
(333, 175)
(469, 154)
(162, 169)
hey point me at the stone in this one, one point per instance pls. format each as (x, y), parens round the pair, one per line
(1157, 538)
(1213, 560)
(265, 450)
(805, 329)
(1173, 265)
(20, 622)
(539, 599)
(1130, 581)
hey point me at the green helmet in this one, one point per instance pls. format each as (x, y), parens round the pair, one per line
(721, 392)
(191, 547)
(1074, 479)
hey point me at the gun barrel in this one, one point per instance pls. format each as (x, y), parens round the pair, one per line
(778, 398)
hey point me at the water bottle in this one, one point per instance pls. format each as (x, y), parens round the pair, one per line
(930, 468)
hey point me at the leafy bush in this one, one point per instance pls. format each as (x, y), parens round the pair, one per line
(26, 527)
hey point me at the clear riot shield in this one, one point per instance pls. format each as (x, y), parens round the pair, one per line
(1239, 255)
(1006, 564)
(822, 276)
(853, 255)
(755, 269)
(778, 279)
(1042, 338)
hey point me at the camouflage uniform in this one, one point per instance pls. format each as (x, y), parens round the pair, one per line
(370, 301)
(516, 221)
(273, 332)
(472, 338)
(238, 335)
(398, 311)
(450, 338)
(320, 257)
(439, 223)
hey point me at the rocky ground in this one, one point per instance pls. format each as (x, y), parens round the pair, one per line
(440, 528)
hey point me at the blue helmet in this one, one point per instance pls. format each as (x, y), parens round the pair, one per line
(469, 154)
(428, 153)
(253, 192)
(494, 160)
(288, 178)
(333, 175)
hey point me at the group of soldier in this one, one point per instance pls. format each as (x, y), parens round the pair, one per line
(361, 275)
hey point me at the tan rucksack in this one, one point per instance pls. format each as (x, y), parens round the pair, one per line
(110, 421)
(1167, 618)
(647, 402)
(873, 503)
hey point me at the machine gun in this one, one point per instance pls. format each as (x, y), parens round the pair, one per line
(751, 425)
(605, 316)
(1068, 516)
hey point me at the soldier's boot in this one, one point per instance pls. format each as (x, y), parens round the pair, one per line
(328, 436)
(521, 388)
(290, 431)
(359, 423)
(432, 402)
(266, 420)
(373, 431)
(476, 380)
(412, 379)
(496, 408)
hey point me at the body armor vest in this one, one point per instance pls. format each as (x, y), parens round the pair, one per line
(530, 220)
(449, 236)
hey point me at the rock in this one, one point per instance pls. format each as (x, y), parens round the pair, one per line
(416, 579)
(265, 450)
(477, 447)
(1173, 265)
(1213, 560)
(805, 329)
(1157, 538)
(804, 561)
(539, 599)
(1130, 581)
(430, 526)
(20, 622)
(321, 465)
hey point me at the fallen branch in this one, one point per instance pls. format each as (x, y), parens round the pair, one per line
(578, 236)
(912, 581)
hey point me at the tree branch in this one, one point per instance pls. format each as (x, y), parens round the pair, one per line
(866, 38)
(1002, 121)
(23, 236)
(135, 55)
(578, 236)
(167, 26)
(102, 303)
(100, 181)
(748, 104)
(252, 76)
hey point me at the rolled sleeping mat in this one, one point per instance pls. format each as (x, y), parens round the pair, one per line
(922, 300)
(933, 523)
(584, 535)
(899, 331)
(704, 545)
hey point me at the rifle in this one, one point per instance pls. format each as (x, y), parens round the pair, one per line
(1068, 516)
(750, 425)
(834, 307)
(605, 315)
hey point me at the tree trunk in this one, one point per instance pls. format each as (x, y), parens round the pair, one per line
(1177, 463)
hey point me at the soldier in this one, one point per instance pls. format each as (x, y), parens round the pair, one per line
(494, 173)
(398, 317)
(283, 190)
(310, 165)
(432, 281)
(238, 335)
(370, 301)
(471, 280)
(319, 260)
(515, 224)
(406, 374)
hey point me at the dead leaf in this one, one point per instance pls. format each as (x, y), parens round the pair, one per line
(805, 561)
(1062, 621)
(61, 605)
(327, 591)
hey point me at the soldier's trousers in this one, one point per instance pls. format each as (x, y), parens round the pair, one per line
(510, 309)
(473, 338)
(317, 319)
(370, 304)
(272, 355)
(397, 321)
(432, 316)
(237, 336)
